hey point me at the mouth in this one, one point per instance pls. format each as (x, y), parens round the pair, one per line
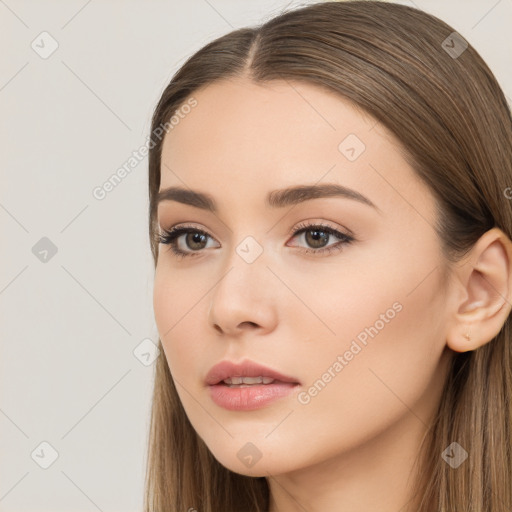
(245, 373)
(247, 386)
(243, 382)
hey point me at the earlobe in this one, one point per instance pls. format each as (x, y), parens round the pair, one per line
(484, 283)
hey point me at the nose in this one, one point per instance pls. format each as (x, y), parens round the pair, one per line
(244, 300)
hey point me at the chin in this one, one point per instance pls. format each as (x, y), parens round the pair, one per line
(245, 462)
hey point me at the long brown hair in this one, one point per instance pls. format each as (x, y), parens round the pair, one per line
(409, 71)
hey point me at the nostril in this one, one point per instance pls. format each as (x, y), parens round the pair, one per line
(251, 324)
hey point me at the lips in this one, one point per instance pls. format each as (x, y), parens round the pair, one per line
(229, 370)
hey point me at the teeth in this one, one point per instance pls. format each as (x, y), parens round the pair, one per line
(248, 380)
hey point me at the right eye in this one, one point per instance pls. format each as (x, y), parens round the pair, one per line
(195, 239)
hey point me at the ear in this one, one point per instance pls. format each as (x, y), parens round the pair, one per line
(483, 292)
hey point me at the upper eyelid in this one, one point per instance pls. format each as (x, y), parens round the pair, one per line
(303, 225)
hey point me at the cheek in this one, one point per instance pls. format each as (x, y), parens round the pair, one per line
(386, 318)
(176, 295)
(176, 303)
(390, 341)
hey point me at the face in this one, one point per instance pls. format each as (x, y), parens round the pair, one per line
(341, 293)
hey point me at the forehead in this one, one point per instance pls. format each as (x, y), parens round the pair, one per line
(250, 138)
(255, 114)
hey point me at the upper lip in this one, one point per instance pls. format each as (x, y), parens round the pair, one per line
(227, 369)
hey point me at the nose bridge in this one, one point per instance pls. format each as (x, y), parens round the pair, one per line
(243, 294)
(243, 273)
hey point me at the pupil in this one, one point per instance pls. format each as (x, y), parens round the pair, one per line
(318, 236)
(197, 238)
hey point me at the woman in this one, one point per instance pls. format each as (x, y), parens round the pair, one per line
(330, 222)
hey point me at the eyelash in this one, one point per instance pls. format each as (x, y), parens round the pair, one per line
(168, 237)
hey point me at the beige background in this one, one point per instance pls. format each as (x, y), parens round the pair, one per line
(72, 319)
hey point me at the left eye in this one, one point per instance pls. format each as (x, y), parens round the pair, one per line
(317, 234)
(196, 239)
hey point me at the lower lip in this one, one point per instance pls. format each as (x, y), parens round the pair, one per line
(251, 397)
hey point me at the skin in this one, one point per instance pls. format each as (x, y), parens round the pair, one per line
(354, 444)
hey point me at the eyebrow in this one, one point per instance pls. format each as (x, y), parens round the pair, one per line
(275, 199)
